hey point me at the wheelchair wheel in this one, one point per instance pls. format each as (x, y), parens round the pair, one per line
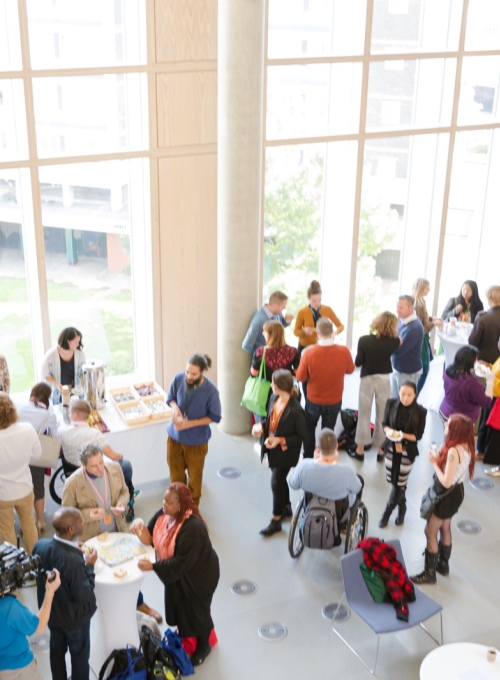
(56, 485)
(357, 527)
(295, 543)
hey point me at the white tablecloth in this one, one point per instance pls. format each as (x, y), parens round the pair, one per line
(460, 661)
(145, 446)
(451, 345)
(114, 625)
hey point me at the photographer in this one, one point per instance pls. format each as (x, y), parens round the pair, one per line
(17, 623)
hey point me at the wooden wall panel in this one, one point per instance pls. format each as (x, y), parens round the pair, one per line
(188, 251)
(187, 108)
(186, 30)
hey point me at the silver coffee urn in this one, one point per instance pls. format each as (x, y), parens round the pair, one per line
(93, 383)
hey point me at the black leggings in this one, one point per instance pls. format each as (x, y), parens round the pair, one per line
(279, 487)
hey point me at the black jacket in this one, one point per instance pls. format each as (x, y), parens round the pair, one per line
(190, 578)
(74, 601)
(486, 335)
(408, 419)
(292, 426)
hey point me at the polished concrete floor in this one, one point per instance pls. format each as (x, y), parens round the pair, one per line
(293, 592)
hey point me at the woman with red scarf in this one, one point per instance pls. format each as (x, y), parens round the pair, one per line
(454, 460)
(186, 564)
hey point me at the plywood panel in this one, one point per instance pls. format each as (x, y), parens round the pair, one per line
(188, 250)
(186, 30)
(187, 108)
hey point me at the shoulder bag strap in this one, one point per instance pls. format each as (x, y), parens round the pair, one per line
(41, 429)
(262, 365)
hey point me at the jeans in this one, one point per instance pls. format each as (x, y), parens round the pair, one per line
(397, 379)
(328, 414)
(77, 640)
(126, 467)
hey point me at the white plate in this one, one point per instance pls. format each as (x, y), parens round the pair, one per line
(482, 371)
(120, 580)
(395, 439)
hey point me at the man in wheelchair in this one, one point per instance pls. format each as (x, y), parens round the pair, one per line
(326, 477)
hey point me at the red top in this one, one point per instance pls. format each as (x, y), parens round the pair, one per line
(324, 368)
(276, 357)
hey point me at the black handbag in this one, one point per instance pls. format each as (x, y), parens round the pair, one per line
(430, 499)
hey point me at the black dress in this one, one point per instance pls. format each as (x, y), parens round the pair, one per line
(190, 578)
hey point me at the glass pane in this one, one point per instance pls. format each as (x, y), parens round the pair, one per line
(90, 114)
(401, 208)
(303, 101)
(471, 166)
(314, 28)
(14, 308)
(10, 44)
(13, 133)
(410, 93)
(90, 217)
(483, 25)
(479, 90)
(292, 219)
(82, 34)
(415, 26)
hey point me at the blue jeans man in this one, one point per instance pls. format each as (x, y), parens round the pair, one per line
(328, 414)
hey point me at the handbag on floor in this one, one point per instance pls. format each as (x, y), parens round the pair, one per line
(257, 390)
(51, 448)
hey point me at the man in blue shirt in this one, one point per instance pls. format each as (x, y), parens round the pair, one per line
(195, 403)
(407, 359)
(324, 475)
(16, 624)
(272, 310)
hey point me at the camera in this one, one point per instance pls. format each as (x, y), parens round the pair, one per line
(17, 568)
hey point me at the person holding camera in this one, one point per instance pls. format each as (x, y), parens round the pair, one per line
(75, 603)
(17, 622)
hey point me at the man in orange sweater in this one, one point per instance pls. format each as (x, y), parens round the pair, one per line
(323, 366)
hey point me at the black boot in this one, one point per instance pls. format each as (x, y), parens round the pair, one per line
(273, 527)
(391, 504)
(443, 558)
(429, 573)
(202, 650)
(401, 503)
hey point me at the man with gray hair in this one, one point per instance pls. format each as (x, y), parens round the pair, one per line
(407, 359)
(323, 366)
(74, 602)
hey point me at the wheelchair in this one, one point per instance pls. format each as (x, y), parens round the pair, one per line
(58, 479)
(353, 522)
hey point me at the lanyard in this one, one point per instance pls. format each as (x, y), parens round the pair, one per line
(104, 500)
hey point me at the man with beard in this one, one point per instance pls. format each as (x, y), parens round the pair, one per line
(195, 403)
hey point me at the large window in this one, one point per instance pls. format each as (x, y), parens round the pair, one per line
(382, 156)
(74, 228)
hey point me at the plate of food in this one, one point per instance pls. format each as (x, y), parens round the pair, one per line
(395, 435)
(481, 370)
(120, 574)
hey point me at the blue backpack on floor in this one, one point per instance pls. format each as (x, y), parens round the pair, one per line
(128, 664)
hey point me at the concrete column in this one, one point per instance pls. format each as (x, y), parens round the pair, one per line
(240, 99)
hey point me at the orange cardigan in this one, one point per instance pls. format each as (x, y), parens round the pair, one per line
(305, 319)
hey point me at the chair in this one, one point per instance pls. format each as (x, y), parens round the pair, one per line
(381, 617)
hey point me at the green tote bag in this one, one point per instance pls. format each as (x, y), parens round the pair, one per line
(257, 390)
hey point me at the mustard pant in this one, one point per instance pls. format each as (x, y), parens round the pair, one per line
(182, 457)
(24, 509)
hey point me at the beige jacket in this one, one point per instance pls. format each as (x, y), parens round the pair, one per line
(78, 494)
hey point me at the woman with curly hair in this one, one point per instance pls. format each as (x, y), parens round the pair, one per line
(453, 462)
(19, 444)
(186, 563)
(374, 357)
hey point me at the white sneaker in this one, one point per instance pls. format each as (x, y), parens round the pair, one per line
(493, 471)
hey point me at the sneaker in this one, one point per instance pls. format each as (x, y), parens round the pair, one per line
(493, 471)
(137, 493)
